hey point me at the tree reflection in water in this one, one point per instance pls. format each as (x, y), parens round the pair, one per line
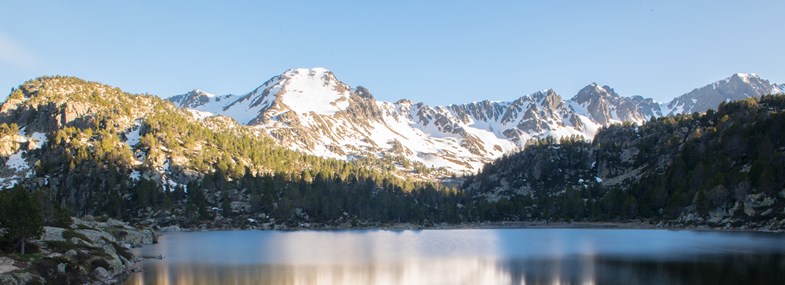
(536, 256)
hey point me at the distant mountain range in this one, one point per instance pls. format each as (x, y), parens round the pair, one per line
(312, 111)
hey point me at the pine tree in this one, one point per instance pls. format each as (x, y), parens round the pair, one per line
(20, 217)
(226, 205)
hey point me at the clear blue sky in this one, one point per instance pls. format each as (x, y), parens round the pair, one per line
(437, 52)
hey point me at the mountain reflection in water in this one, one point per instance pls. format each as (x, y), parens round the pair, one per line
(505, 256)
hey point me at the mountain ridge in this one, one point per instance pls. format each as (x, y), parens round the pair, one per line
(312, 111)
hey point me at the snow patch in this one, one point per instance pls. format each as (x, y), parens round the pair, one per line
(200, 92)
(200, 115)
(135, 175)
(39, 140)
(16, 162)
(134, 137)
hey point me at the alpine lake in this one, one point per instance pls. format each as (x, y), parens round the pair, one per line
(464, 256)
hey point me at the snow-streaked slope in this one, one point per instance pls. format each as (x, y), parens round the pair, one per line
(738, 86)
(312, 111)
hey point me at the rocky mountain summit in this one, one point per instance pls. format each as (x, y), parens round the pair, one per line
(312, 111)
(737, 87)
(604, 106)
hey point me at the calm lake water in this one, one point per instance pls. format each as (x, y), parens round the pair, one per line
(481, 256)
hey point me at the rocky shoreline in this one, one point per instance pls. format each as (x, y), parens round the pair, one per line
(682, 224)
(87, 252)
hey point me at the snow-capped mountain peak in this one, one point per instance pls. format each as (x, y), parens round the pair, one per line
(299, 90)
(745, 77)
(603, 105)
(736, 87)
(202, 93)
(313, 90)
(196, 98)
(594, 91)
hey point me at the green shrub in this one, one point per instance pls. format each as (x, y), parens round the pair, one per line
(44, 268)
(68, 234)
(121, 251)
(62, 219)
(60, 246)
(84, 227)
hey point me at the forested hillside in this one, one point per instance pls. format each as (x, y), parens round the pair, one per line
(91, 149)
(724, 168)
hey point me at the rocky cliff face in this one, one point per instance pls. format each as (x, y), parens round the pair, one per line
(605, 106)
(312, 111)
